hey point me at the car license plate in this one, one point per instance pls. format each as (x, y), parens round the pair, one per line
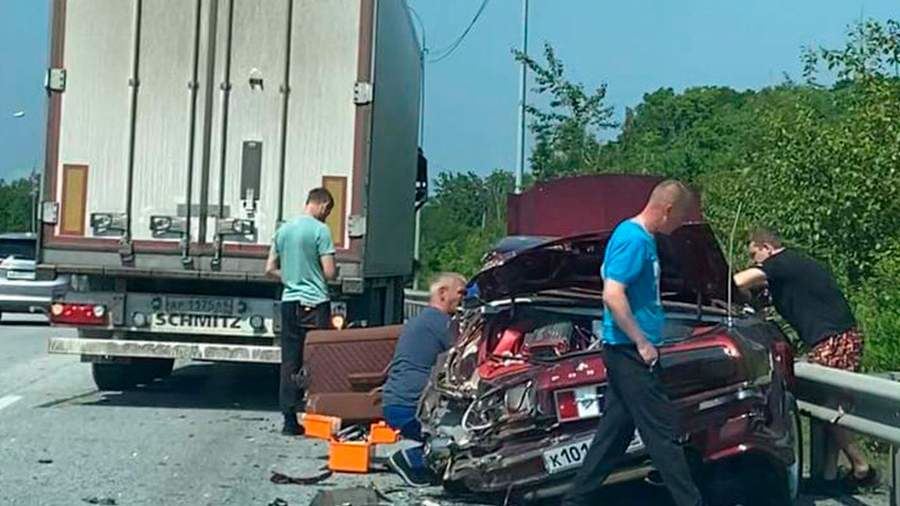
(199, 305)
(190, 323)
(571, 455)
(20, 275)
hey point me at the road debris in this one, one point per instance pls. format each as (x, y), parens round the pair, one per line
(105, 501)
(45, 461)
(283, 479)
(352, 496)
(278, 502)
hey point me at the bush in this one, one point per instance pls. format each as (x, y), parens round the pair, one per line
(877, 307)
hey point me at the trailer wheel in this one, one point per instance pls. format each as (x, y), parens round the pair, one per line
(159, 367)
(128, 376)
(115, 376)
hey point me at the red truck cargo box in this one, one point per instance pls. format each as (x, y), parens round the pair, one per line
(581, 204)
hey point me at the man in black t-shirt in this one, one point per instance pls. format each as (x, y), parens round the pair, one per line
(807, 296)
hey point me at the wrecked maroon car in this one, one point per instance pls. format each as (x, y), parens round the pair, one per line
(512, 407)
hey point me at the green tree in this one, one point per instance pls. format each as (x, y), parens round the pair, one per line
(15, 205)
(565, 133)
(466, 215)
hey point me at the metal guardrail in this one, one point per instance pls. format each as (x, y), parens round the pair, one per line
(414, 301)
(866, 404)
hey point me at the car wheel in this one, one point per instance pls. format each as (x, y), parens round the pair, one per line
(781, 482)
(755, 480)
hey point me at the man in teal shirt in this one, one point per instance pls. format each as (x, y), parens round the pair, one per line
(302, 258)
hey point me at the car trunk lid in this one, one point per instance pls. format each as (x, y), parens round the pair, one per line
(693, 267)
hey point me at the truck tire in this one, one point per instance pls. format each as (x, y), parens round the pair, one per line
(115, 376)
(128, 376)
(159, 367)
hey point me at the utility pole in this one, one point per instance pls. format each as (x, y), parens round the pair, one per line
(417, 239)
(523, 72)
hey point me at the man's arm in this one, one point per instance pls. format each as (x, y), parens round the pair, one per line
(748, 279)
(273, 266)
(617, 301)
(328, 267)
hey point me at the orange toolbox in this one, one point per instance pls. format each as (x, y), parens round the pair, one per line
(350, 456)
(320, 426)
(380, 433)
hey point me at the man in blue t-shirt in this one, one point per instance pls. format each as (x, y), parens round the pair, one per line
(423, 338)
(632, 330)
(302, 258)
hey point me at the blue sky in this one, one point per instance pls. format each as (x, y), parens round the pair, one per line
(635, 47)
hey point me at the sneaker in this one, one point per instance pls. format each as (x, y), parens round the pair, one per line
(412, 477)
(291, 427)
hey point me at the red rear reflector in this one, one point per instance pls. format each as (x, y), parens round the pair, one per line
(565, 406)
(78, 314)
(579, 403)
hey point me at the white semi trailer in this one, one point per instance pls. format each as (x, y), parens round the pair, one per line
(181, 133)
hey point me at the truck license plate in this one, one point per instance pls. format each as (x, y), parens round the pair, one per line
(571, 455)
(199, 305)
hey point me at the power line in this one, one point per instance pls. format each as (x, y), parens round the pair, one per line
(446, 52)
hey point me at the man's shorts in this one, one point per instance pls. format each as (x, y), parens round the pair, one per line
(841, 351)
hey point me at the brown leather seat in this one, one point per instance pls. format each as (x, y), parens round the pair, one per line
(347, 369)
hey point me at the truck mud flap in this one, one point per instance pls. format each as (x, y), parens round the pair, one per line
(158, 349)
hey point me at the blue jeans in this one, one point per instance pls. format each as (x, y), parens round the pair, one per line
(403, 418)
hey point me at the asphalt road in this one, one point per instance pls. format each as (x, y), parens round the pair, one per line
(208, 435)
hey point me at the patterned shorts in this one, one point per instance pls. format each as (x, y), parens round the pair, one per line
(841, 351)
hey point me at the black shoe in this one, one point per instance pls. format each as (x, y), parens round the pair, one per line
(412, 477)
(291, 427)
(869, 480)
(831, 488)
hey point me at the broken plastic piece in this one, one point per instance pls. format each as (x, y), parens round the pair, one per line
(283, 479)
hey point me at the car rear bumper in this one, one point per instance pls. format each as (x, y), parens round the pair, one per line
(520, 466)
(162, 349)
(30, 296)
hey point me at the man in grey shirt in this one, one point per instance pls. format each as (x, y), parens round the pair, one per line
(423, 338)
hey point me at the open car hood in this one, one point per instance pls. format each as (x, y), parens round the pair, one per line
(693, 266)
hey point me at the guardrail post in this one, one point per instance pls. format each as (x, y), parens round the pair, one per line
(818, 448)
(894, 500)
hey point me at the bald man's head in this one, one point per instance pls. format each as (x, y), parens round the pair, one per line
(670, 192)
(668, 206)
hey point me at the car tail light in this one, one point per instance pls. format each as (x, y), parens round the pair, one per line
(565, 406)
(579, 403)
(78, 314)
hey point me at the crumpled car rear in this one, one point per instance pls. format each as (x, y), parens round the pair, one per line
(513, 406)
